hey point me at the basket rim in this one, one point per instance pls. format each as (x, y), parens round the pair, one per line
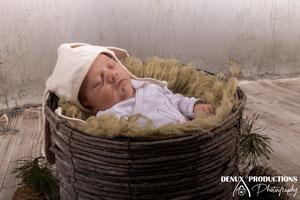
(241, 102)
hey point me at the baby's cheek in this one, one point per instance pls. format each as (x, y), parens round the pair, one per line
(107, 94)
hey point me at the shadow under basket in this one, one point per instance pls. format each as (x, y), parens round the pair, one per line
(186, 167)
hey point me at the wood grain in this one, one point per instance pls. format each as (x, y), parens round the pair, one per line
(278, 103)
(23, 139)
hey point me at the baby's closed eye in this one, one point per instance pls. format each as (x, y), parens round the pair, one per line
(99, 81)
(111, 64)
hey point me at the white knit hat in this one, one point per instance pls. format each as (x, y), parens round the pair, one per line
(73, 62)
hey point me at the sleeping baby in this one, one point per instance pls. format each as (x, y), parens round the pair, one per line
(94, 79)
(110, 89)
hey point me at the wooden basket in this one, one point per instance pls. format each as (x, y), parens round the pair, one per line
(186, 167)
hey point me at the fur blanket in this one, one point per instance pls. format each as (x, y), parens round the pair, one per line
(219, 90)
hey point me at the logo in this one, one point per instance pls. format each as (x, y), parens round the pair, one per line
(241, 188)
(263, 185)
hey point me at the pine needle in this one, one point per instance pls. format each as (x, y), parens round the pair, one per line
(255, 147)
(38, 174)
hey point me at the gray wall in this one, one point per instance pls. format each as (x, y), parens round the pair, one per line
(264, 35)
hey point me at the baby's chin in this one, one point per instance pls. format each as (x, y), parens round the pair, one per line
(126, 90)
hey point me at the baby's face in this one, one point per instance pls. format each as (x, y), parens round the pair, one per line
(106, 84)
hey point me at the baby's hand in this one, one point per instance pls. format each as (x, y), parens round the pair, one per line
(204, 108)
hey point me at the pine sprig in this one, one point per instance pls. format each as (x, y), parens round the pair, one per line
(255, 147)
(38, 174)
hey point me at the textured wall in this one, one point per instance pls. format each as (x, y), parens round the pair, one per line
(262, 34)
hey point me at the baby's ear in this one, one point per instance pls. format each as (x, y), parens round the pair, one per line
(89, 107)
(92, 109)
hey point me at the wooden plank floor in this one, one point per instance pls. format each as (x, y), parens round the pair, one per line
(21, 139)
(277, 101)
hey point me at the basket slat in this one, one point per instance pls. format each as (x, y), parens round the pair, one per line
(187, 167)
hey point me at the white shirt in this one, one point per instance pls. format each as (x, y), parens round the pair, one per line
(156, 102)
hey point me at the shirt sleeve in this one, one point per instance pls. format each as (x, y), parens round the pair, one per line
(185, 105)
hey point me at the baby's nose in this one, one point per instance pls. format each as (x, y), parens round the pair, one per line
(112, 76)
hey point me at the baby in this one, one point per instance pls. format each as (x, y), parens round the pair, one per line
(108, 88)
(94, 79)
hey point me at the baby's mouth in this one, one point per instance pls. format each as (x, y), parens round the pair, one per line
(119, 83)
